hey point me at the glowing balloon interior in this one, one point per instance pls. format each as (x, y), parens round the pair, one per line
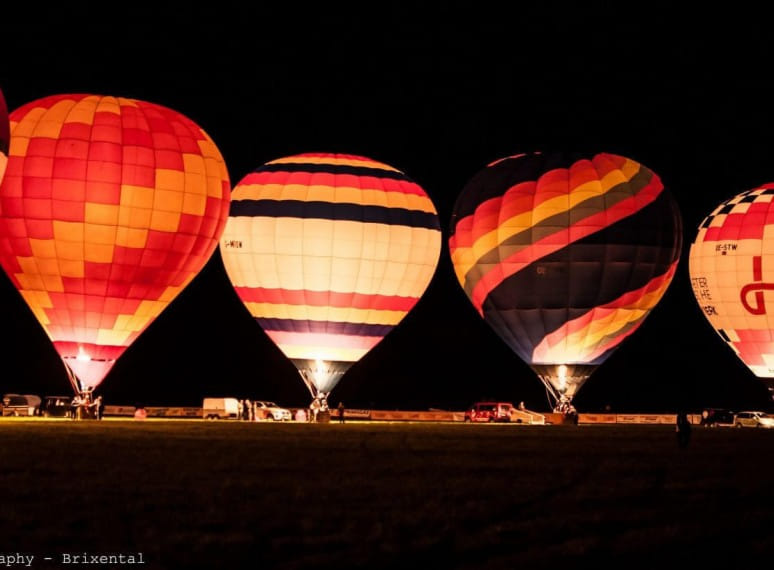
(731, 264)
(564, 256)
(108, 209)
(329, 252)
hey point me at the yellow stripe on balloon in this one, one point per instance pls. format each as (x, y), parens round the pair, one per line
(334, 195)
(365, 258)
(323, 352)
(316, 313)
(580, 345)
(464, 258)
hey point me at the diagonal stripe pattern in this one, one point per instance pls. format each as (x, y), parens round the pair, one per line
(565, 255)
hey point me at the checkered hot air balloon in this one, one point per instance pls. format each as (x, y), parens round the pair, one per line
(731, 264)
(564, 256)
(329, 252)
(5, 135)
(108, 209)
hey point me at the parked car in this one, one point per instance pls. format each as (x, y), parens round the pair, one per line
(57, 407)
(489, 412)
(271, 411)
(754, 419)
(20, 405)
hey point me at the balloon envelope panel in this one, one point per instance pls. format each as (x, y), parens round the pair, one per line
(565, 255)
(731, 265)
(329, 252)
(109, 208)
(5, 135)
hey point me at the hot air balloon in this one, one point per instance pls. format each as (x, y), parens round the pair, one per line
(5, 135)
(564, 256)
(731, 264)
(329, 252)
(108, 209)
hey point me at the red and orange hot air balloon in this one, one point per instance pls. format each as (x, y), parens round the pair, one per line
(108, 209)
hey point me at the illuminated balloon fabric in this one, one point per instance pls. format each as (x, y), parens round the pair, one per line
(5, 135)
(109, 207)
(731, 265)
(329, 252)
(564, 256)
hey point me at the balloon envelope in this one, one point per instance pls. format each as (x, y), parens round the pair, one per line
(109, 208)
(564, 256)
(731, 264)
(5, 135)
(329, 252)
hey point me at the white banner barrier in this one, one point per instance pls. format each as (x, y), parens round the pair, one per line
(596, 418)
(418, 416)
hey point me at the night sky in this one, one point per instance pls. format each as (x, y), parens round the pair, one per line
(438, 94)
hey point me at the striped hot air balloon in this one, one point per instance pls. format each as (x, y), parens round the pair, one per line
(108, 209)
(329, 252)
(731, 264)
(5, 135)
(564, 256)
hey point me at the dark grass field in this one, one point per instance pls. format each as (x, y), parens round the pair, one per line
(194, 494)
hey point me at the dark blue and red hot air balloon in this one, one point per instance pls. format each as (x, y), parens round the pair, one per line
(564, 256)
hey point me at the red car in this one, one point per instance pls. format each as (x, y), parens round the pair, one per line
(489, 412)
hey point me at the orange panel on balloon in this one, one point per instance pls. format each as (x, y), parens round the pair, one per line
(108, 209)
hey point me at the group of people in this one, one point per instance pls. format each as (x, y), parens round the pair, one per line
(319, 409)
(565, 408)
(250, 411)
(85, 406)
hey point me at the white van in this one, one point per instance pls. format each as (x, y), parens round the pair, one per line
(220, 409)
